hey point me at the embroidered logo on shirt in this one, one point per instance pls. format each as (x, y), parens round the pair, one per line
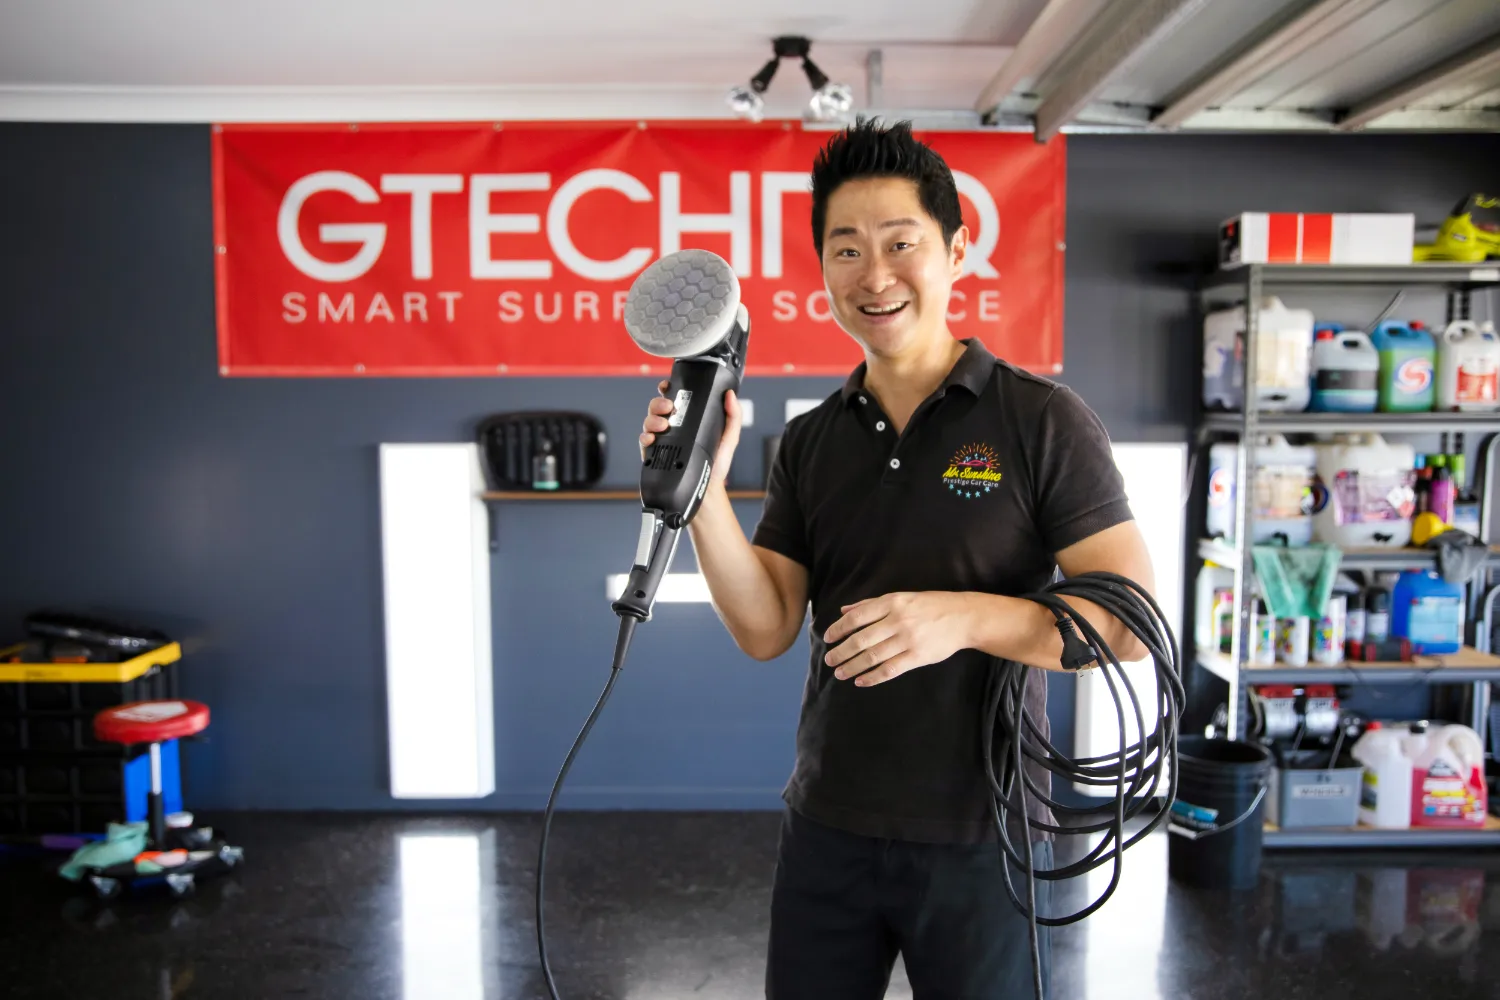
(973, 471)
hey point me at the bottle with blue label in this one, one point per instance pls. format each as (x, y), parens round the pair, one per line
(1428, 611)
(1407, 358)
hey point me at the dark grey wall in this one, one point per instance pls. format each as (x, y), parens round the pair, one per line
(242, 514)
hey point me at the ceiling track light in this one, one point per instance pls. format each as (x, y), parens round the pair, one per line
(830, 101)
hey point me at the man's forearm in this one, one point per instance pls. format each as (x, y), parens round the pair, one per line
(1013, 628)
(744, 592)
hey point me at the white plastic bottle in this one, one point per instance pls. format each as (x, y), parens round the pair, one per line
(1449, 788)
(1369, 497)
(1468, 375)
(1385, 795)
(1281, 502)
(1283, 362)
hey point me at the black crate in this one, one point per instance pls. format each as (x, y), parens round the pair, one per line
(72, 776)
(49, 734)
(62, 816)
(54, 776)
(88, 698)
(39, 816)
(50, 817)
(99, 778)
(55, 793)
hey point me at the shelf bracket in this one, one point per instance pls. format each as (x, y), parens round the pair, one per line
(492, 511)
(1458, 304)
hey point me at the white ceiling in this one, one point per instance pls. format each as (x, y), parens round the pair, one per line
(445, 42)
(287, 60)
(938, 53)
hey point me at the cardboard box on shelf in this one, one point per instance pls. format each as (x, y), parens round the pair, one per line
(1316, 238)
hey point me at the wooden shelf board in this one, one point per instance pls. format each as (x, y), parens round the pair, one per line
(1221, 553)
(1467, 657)
(1369, 837)
(1491, 825)
(1465, 666)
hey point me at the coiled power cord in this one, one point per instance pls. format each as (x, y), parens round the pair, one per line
(1011, 738)
(1135, 773)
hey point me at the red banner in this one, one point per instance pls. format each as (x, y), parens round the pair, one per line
(483, 250)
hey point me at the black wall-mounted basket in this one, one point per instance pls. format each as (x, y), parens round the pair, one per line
(507, 442)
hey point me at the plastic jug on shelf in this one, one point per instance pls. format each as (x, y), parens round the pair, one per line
(1385, 793)
(1364, 492)
(1282, 361)
(1468, 369)
(1345, 371)
(1448, 786)
(1407, 356)
(1429, 612)
(1281, 503)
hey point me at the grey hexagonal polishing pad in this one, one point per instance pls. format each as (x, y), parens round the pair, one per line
(683, 304)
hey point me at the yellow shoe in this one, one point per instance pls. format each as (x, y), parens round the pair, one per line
(1471, 234)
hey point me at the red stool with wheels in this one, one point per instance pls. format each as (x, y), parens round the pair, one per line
(176, 855)
(152, 722)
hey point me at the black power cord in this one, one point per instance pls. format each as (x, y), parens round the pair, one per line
(1011, 738)
(622, 645)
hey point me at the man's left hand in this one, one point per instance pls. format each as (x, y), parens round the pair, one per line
(884, 637)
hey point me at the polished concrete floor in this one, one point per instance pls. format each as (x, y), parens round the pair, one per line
(668, 906)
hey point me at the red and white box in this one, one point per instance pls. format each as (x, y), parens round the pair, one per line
(1316, 238)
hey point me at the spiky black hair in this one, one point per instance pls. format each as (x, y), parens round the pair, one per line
(871, 149)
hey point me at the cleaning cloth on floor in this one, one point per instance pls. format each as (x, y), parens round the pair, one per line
(1296, 582)
(122, 842)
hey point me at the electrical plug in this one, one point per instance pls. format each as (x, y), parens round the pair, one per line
(1077, 653)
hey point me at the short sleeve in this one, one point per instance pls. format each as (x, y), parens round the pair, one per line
(1079, 489)
(782, 527)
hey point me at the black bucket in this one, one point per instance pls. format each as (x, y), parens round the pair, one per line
(1215, 832)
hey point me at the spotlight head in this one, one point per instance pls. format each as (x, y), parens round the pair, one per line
(746, 103)
(761, 80)
(830, 102)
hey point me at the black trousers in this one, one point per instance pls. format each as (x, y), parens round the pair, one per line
(844, 906)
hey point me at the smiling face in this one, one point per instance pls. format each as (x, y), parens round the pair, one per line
(887, 269)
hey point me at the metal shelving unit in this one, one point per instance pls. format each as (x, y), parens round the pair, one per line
(1463, 277)
(1248, 284)
(1467, 666)
(1216, 551)
(1333, 423)
(1378, 839)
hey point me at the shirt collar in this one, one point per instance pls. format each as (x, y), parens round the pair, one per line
(972, 371)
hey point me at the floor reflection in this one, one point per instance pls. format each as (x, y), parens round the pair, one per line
(443, 880)
(662, 906)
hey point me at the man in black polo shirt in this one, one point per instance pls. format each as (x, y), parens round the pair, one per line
(909, 509)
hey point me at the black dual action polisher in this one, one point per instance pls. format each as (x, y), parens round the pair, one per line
(685, 306)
